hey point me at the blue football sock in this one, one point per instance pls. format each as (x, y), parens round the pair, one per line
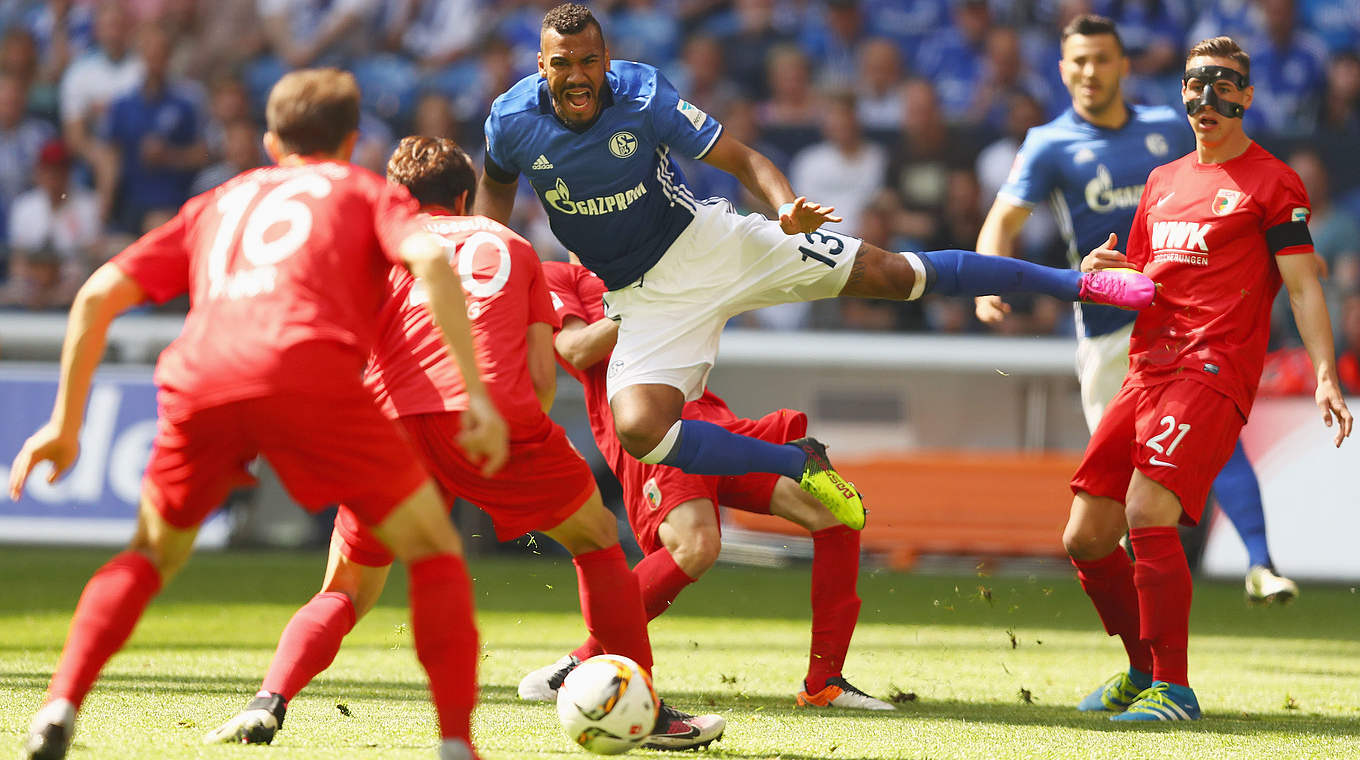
(707, 449)
(965, 273)
(1239, 496)
(1140, 679)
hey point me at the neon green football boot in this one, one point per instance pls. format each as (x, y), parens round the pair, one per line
(822, 481)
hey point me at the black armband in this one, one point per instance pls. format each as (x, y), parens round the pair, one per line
(1287, 235)
(494, 171)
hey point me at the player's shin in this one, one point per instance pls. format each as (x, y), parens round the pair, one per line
(965, 273)
(446, 638)
(309, 643)
(109, 608)
(1109, 582)
(661, 580)
(702, 448)
(835, 605)
(1239, 496)
(1162, 576)
(611, 603)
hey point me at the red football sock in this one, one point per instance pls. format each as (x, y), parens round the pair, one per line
(309, 643)
(1109, 583)
(1162, 575)
(661, 580)
(446, 639)
(611, 603)
(835, 605)
(109, 608)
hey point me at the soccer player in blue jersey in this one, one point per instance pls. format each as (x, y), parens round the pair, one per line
(594, 140)
(1091, 163)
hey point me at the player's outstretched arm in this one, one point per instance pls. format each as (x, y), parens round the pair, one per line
(997, 238)
(1299, 272)
(759, 175)
(494, 199)
(108, 293)
(584, 344)
(484, 435)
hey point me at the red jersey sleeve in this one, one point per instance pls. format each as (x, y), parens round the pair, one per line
(159, 260)
(395, 216)
(1286, 216)
(561, 280)
(541, 305)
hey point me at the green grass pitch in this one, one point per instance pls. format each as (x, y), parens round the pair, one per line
(985, 667)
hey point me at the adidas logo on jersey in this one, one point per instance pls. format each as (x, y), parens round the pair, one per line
(1181, 242)
(541, 163)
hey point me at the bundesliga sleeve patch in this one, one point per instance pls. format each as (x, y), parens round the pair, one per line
(691, 112)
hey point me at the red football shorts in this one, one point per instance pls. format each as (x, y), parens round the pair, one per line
(651, 491)
(325, 447)
(543, 483)
(1179, 434)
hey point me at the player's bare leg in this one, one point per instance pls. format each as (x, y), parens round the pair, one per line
(647, 422)
(307, 646)
(1091, 538)
(109, 608)
(878, 273)
(1162, 578)
(835, 605)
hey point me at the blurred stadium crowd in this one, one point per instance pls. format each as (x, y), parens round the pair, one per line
(904, 114)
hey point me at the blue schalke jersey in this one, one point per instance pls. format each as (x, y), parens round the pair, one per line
(1094, 177)
(611, 191)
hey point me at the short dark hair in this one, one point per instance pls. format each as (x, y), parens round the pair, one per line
(313, 110)
(570, 18)
(434, 169)
(1091, 25)
(1222, 47)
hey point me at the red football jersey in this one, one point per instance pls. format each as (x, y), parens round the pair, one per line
(412, 372)
(577, 292)
(286, 268)
(1208, 234)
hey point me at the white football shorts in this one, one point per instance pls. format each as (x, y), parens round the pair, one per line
(723, 264)
(1102, 364)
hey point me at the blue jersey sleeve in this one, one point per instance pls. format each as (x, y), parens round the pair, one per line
(498, 163)
(1032, 175)
(679, 123)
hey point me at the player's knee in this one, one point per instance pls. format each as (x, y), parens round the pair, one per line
(591, 528)
(696, 551)
(1085, 542)
(639, 433)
